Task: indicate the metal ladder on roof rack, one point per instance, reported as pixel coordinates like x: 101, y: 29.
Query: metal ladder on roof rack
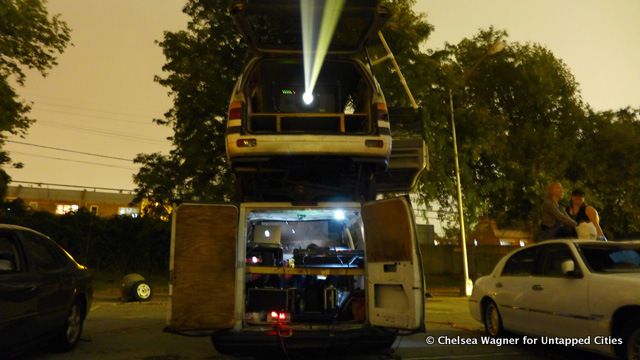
x: 390, y: 56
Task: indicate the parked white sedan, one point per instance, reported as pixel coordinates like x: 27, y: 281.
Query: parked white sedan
x: 567, y: 292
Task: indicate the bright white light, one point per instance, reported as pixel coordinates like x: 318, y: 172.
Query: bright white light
x: 254, y: 259
x: 338, y: 215
x: 307, y: 98
x: 522, y: 244
x: 321, y: 277
x: 293, y: 231
x: 267, y: 233
x: 475, y: 242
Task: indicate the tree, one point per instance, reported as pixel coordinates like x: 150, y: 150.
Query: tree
x: 203, y: 63
x: 518, y: 114
x: 607, y: 168
x: 29, y: 38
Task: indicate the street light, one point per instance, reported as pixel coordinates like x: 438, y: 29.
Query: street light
x: 467, y: 285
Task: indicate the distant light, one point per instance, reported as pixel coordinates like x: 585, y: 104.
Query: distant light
x: 293, y: 231
x: 436, y: 242
x: 267, y: 233
x: 254, y: 259
x: 475, y: 242
x: 288, y: 92
x: 307, y: 98
x: 339, y: 215
x: 321, y: 277
x: 522, y: 244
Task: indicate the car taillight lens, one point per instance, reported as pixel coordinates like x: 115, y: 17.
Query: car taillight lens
x: 279, y: 317
x: 235, y: 111
x: 246, y: 142
x: 374, y: 143
x: 381, y: 112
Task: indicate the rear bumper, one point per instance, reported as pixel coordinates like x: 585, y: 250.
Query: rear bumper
x: 365, y: 339
x: 308, y: 145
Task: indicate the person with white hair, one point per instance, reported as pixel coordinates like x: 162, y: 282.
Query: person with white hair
x: 555, y: 222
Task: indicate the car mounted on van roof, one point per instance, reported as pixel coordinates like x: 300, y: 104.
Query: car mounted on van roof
x: 275, y: 141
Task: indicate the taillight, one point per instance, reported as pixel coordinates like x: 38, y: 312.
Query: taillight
x: 235, y: 111
x: 246, y: 142
x: 374, y: 143
x: 279, y: 317
x: 381, y: 112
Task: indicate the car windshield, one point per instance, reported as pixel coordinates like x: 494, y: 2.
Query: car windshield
x: 611, y: 257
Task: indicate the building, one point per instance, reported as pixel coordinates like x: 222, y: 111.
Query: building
x: 62, y: 201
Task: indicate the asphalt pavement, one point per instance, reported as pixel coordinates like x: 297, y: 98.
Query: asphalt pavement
x: 119, y: 330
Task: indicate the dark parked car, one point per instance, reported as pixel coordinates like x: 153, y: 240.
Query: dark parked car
x: 44, y: 293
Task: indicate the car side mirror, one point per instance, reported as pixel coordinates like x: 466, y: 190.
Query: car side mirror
x: 6, y: 265
x: 569, y: 268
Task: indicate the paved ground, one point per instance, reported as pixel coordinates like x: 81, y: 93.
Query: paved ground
x: 116, y: 330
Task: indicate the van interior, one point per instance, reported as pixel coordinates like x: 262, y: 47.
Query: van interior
x: 275, y: 88
x: 304, y: 266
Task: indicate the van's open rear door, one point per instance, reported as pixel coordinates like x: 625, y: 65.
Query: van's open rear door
x: 202, y: 267
x: 271, y: 27
x: 395, y: 290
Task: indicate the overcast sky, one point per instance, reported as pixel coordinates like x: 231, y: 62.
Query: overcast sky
x: 101, y: 97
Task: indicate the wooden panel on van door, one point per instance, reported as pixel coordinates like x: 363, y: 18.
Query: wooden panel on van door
x: 203, y: 264
x: 387, y: 230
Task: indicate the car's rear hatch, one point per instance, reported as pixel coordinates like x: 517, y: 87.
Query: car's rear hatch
x: 275, y: 26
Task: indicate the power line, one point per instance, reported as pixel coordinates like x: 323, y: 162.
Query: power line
x: 66, y: 102
x: 102, y: 132
x: 67, y: 150
x: 74, y: 107
x: 38, y: 108
x: 71, y: 160
x: 71, y: 186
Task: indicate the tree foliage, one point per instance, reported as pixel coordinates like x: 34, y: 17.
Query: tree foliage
x: 29, y: 39
x: 517, y: 115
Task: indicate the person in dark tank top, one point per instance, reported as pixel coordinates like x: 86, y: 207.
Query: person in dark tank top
x: 585, y: 216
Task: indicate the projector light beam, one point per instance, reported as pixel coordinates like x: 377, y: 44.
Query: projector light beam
x: 319, y: 19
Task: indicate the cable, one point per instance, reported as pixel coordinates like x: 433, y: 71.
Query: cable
x: 92, y: 109
x: 65, y: 102
x: 93, y: 116
x: 71, y: 160
x: 70, y: 186
x: 107, y: 133
x: 70, y: 151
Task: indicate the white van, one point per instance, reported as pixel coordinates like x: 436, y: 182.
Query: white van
x: 263, y: 277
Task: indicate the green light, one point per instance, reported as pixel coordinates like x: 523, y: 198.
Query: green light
x: 288, y: 92
x: 316, y: 35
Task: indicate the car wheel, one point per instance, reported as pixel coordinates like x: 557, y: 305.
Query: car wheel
x: 69, y: 335
x: 141, y: 291
x: 492, y: 319
x: 631, y: 340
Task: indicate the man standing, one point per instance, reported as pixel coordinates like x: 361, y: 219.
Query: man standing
x: 556, y: 223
